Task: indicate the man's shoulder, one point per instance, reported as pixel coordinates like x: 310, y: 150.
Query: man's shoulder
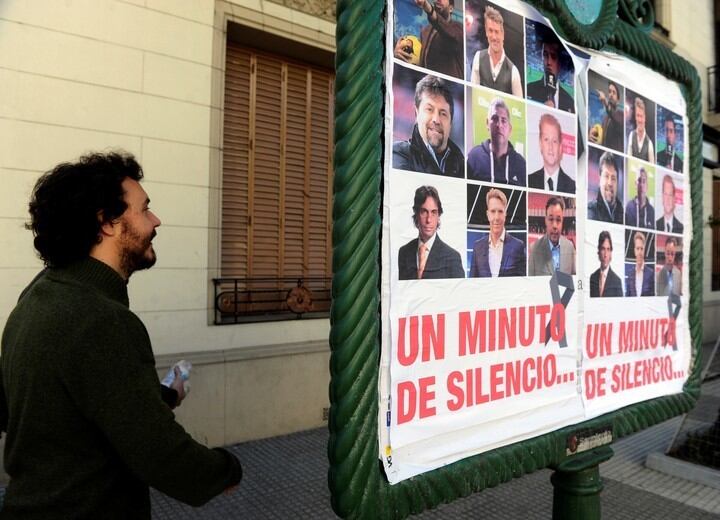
x: 536, y: 88
x: 480, y: 150
x: 513, y: 242
x: 482, y: 53
x: 412, y: 245
x: 403, y: 153
x: 481, y: 244
x: 441, y: 246
x: 565, y: 179
x: 401, y: 147
x: 49, y: 289
x: 514, y: 154
x: 536, y: 179
x: 75, y: 315
x: 566, y: 242
x: 455, y: 149
x: 540, y: 246
x: 566, y: 100
x: 596, y: 210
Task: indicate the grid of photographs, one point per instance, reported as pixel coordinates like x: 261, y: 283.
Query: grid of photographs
x: 484, y: 99
x: 635, y: 192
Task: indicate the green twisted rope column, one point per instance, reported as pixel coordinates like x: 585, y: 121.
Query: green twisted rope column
x: 353, y: 477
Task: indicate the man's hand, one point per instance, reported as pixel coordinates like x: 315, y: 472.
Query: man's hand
x: 400, y: 53
x: 230, y: 490
x: 602, y: 97
x: 426, y: 6
x: 178, y: 385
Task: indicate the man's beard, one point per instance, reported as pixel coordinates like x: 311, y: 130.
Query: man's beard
x: 137, y: 252
x: 438, y: 137
x: 609, y: 196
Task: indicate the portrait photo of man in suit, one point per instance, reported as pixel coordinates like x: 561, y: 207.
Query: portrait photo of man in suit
x: 551, y: 176
x: 498, y: 253
x: 428, y: 257
x: 555, y: 60
x: 639, y: 279
x: 604, y: 283
x: 669, y: 223
x: 669, y: 278
x: 553, y: 252
x: 639, y: 212
x: 607, y: 206
x: 670, y: 156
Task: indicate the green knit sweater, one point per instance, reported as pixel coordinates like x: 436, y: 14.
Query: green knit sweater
x: 87, y: 430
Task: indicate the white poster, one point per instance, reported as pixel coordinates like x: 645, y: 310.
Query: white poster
x: 510, y: 267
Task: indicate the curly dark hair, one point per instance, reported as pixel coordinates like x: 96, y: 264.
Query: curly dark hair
x: 71, y: 202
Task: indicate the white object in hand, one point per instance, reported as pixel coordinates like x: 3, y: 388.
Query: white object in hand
x: 185, y: 367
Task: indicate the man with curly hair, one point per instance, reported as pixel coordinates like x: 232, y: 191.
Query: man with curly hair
x: 88, y: 425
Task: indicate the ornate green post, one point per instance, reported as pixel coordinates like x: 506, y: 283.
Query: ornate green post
x: 354, y: 478
x: 577, y: 486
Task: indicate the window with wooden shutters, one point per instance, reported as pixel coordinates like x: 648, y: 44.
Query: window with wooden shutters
x: 276, y: 189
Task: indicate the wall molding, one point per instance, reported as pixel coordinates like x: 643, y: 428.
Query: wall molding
x: 219, y: 357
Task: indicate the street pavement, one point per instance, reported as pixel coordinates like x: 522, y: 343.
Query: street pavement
x: 286, y: 478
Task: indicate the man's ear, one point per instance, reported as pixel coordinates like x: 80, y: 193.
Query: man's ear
x: 108, y: 228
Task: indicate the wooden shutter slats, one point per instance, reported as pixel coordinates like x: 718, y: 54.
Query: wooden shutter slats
x: 276, y: 147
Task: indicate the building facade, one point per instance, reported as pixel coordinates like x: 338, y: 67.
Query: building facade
x: 227, y: 104
x: 150, y: 77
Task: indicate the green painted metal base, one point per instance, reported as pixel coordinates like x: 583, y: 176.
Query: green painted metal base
x: 577, y: 486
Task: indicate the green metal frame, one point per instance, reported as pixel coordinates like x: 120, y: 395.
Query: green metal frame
x: 356, y: 480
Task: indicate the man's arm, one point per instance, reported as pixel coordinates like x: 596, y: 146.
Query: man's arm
x: 475, y: 69
x: 475, y: 263
x: 446, y: 27
x: 115, y: 386
x: 516, y: 83
x: 456, y: 267
x: 401, y: 156
x: 3, y: 404
x: 518, y: 259
x: 531, y: 260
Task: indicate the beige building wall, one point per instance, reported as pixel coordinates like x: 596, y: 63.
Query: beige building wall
x: 694, y: 39
x: 147, y: 76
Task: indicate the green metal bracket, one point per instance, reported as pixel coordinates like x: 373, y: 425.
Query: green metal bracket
x: 355, y: 477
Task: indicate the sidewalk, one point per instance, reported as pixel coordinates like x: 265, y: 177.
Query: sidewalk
x: 286, y: 477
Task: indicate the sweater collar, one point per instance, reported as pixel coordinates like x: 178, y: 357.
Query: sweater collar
x: 97, y: 275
